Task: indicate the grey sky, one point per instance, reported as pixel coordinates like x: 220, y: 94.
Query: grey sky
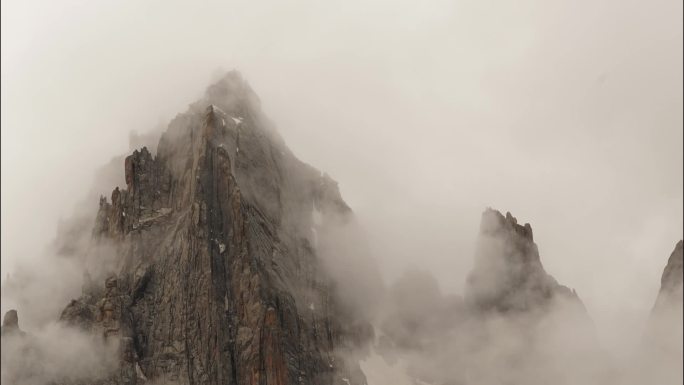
x: 567, y: 114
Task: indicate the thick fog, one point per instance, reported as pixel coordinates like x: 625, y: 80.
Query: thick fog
x: 566, y: 114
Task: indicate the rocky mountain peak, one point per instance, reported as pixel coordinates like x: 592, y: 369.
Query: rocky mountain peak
x: 508, y: 274
x: 216, y: 275
x: 231, y: 95
x: 493, y: 222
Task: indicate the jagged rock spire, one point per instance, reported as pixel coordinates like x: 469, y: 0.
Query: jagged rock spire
x: 508, y: 274
x: 10, y: 323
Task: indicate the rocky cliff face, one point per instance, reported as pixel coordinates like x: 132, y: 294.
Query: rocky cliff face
x: 670, y: 293
x: 216, y: 278
x: 660, y: 356
x: 10, y: 324
x: 664, y: 328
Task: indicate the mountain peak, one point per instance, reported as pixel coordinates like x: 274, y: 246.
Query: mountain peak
x: 232, y: 93
x: 508, y: 274
x: 216, y: 274
x: 494, y: 222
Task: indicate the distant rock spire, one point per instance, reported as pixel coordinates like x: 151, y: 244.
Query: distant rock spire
x: 508, y: 274
x: 10, y: 324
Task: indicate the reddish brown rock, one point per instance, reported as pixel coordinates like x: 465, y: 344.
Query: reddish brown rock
x: 217, y: 280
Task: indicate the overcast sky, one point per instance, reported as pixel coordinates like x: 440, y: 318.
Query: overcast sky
x: 568, y: 114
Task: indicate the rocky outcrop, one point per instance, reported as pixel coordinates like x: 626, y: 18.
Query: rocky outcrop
x: 508, y: 275
x: 10, y: 324
x: 671, y: 286
x: 18, y: 358
x: 660, y: 355
x: 217, y: 278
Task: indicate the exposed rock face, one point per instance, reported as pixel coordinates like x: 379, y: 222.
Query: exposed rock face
x: 508, y: 275
x: 17, y: 352
x: 661, y: 355
x: 10, y: 324
x: 670, y: 293
x: 216, y: 279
